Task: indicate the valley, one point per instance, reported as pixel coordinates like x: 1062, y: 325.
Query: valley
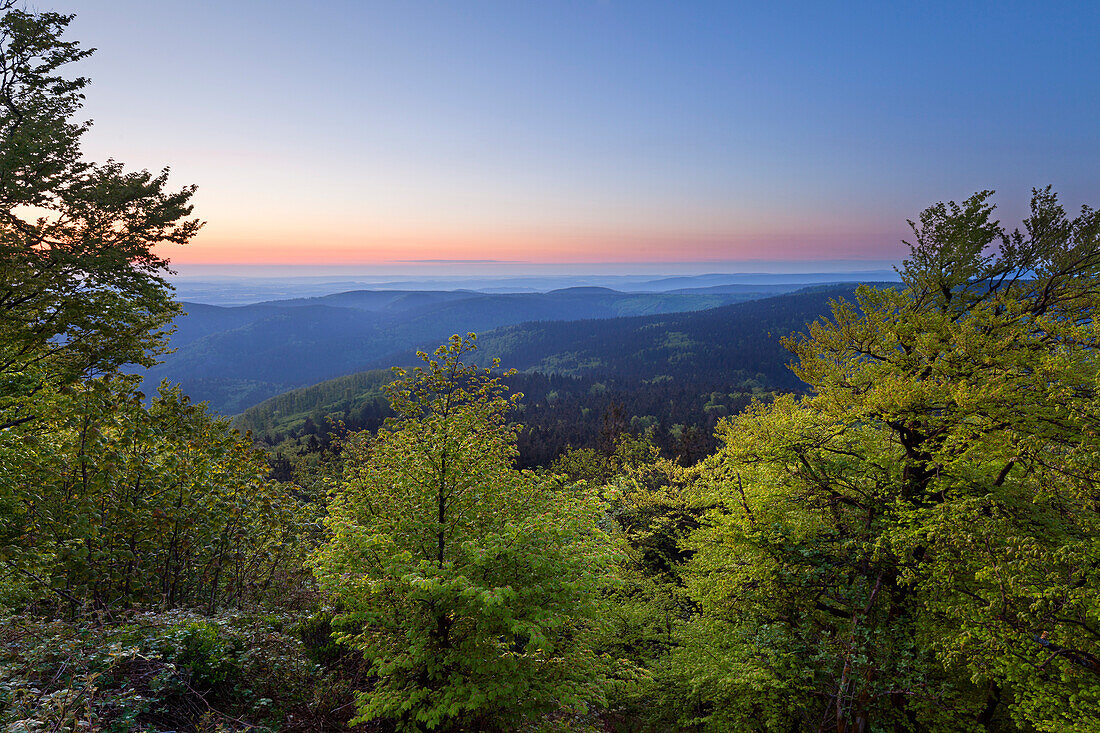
x: 673, y: 375
x: 234, y: 357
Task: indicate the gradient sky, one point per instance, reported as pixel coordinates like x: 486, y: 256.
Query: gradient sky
x: 365, y: 132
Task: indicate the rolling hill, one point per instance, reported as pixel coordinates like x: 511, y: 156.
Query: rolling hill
x: 710, y: 344
x: 237, y: 356
x: 675, y: 373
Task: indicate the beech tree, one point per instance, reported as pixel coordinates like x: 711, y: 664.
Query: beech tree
x: 105, y: 502
x: 468, y: 585
x: 123, y: 505
x: 915, y: 545
x: 81, y: 289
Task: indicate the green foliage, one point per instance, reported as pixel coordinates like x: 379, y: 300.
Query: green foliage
x: 146, y: 671
x: 914, y: 547
x: 106, y: 502
x: 110, y: 507
x: 121, y: 504
x: 80, y: 289
x: 649, y: 508
x: 597, y: 468
x: 468, y: 585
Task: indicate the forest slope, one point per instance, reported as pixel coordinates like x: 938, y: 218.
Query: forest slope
x: 234, y: 357
x: 742, y: 339
x: 675, y: 374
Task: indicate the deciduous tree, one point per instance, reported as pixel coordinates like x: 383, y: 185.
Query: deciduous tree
x: 81, y: 289
x: 468, y: 585
x: 123, y: 505
x: 916, y: 544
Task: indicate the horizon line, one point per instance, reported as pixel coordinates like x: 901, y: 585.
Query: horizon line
x: 536, y: 263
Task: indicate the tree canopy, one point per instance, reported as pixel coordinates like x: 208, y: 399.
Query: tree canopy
x: 468, y: 585
x: 81, y: 289
x: 915, y: 544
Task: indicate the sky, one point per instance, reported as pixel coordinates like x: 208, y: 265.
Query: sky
x: 353, y: 133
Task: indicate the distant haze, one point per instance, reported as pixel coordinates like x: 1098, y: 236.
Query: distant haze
x: 487, y: 268
x: 239, y: 285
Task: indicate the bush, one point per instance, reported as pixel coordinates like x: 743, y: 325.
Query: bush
x: 164, y: 671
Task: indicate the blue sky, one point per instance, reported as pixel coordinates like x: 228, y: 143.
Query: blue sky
x: 367, y: 132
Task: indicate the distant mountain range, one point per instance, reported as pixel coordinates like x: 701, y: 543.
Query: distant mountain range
x: 663, y: 370
x: 244, y: 290
x: 740, y: 340
x: 236, y: 356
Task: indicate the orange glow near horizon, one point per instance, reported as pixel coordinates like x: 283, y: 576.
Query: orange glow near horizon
x: 573, y: 133
x: 537, y: 247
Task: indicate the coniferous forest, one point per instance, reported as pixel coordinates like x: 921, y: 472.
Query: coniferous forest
x: 904, y: 538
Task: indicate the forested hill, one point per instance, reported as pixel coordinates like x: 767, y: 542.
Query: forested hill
x: 235, y: 357
x: 675, y: 374
x: 719, y: 345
